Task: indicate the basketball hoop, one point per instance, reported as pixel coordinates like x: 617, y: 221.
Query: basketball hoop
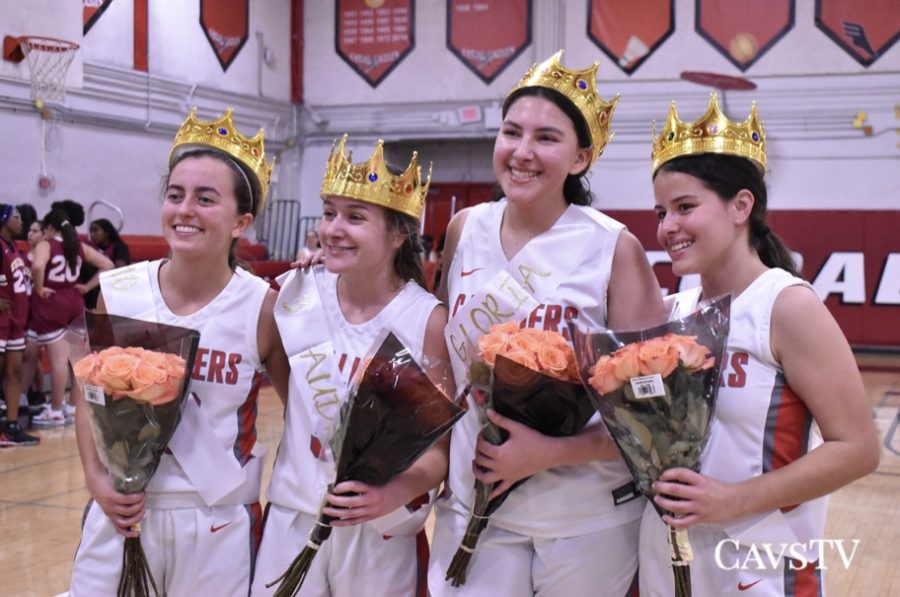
x: 48, y: 61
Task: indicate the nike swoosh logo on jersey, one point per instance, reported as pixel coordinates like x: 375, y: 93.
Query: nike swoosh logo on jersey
x: 216, y: 529
x: 465, y: 273
x: 743, y: 587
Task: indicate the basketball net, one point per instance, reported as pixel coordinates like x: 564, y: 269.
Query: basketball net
x: 48, y: 62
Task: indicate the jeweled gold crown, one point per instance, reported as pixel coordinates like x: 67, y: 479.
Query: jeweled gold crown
x: 711, y: 133
x: 372, y: 182
x: 581, y: 88
x: 223, y: 135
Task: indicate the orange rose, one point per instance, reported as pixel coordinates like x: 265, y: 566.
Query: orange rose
x: 527, y: 340
x: 135, y: 350
x: 693, y: 355
x: 603, y: 378
x: 116, y: 371
x: 626, y: 363
x: 553, y: 360
x: 175, y: 365
x: 85, y: 368
x: 155, y: 359
x: 111, y: 351
x: 657, y: 356
x: 524, y: 358
x: 492, y: 344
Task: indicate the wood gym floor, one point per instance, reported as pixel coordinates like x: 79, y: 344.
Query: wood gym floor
x: 42, y: 497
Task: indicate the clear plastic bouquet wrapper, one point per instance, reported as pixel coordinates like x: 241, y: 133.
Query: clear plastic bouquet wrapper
x: 394, y: 413
x: 656, y: 390
x: 133, y: 375
x: 529, y: 376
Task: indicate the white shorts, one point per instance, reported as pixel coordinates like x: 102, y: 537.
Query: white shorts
x: 191, y: 551
x: 602, y: 563
x: 354, y: 560
x: 717, y: 566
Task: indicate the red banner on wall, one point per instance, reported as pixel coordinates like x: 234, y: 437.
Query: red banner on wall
x: 93, y: 10
x: 374, y: 36
x: 865, y: 29
x: 487, y: 35
x: 226, y: 25
x: 743, y: 32
x: 852, y: 259
x: 629, y: 32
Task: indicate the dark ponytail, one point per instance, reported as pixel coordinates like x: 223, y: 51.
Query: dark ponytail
x: 575, y: 188
x: 726, y: 175
x: 58, y: 219
x: 408, y: 260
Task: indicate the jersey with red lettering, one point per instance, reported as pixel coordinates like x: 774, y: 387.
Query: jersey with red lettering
x: 759, y: 425
x: 227, y: 369
x: 562, y: 501
x: 407, y: 316
x: 49, y: 317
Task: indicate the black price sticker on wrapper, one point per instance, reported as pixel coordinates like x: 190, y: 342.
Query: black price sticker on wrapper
x: 94, y: 394
x: 648, y: 386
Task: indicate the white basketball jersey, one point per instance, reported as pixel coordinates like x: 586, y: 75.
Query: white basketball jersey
x: 759, y: 424
x: 300, y: 476
x: 227, y: 369
x: 567, y: 500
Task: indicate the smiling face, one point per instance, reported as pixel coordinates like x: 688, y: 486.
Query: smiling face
x: 199, y: 213
x: 697, y: 228
x: 535, y: 150
x: 355, y: 237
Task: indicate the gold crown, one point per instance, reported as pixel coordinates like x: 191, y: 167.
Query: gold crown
x: 711, y: 133
x: 580, y: 87
x: 372, y: 182
x: 223, y: 135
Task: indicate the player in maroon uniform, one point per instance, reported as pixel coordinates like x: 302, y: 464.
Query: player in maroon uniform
x: 58, y: 299
x: 15, y: 286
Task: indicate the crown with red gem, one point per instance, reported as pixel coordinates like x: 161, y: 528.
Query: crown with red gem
x: 711, y: 133
x: 372, y: 182
x: 223, y: 135
x: 580, y: 87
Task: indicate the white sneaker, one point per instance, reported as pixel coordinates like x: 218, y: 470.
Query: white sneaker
x: 69, y: 412
x: 49, y: 418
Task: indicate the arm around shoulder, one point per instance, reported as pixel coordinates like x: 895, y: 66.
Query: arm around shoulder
x: 454, y: 231
x: 634, y: 297
x: 271, y: 349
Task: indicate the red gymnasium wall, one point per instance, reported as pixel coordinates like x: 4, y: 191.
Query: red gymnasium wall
x: 852, y: 258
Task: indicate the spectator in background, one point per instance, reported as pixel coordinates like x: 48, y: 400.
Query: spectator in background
x: 105, y: 238
x: 310, y: 245
x: 29, y: 216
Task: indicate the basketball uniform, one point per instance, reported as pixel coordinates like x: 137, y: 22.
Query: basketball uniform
x: 49, y: 317
x: 759, y: 425
x: 15, y: 287
x: 203, y: 518
x: 569, y: 530
x: 355, y: 560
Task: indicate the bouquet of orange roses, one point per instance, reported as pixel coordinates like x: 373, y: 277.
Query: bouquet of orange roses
x: 395, y: 412
x: 133, y: 375
x: 529, y: 376
x: 656, y: 390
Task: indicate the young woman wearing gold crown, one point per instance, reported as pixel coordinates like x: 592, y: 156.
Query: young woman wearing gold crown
x: 792, y: 423
x: 371, y: 282
x: 200, y: 516
x: 542, y: 256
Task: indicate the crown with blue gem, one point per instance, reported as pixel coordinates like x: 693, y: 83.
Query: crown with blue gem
x: 223, y: 135
x: 580, y: 87
x: 711, y: 133
x: 372, y: 182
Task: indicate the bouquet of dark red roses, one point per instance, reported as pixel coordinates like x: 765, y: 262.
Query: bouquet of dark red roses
x: 530, y: 377
x: 394, y: 414
x: 656, y: 390
x: 133, y: 375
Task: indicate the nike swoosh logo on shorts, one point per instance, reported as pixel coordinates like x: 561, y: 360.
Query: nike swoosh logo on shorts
x: 743, y: 587
x: 215, y: 529
x: 465, y: 273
